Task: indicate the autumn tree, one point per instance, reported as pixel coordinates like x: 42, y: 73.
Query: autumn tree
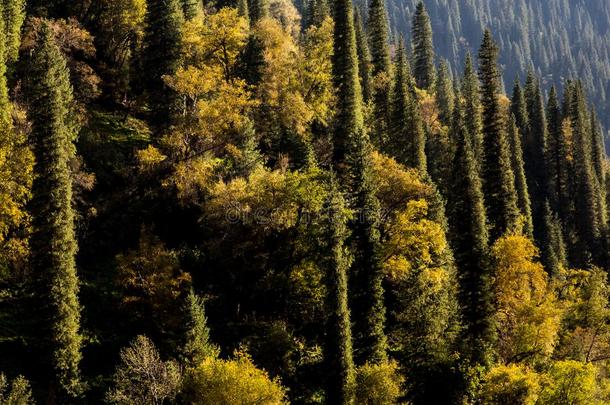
x: 53, y: 240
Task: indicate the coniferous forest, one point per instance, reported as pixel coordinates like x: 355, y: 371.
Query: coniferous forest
x: 263, y: 202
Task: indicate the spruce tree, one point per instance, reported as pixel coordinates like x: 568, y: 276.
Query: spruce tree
x: 53, y: 240
x: 197, y: 346
x: 191, y: 9
x: 498, y: 177
x: 445, y: 96
x: 518, y: 108
x: 258, y: 9
x: 534, y: 150
x: 378, y: 37
x: 13, y: 14
x: 161, y: 57
x: 407, y: 135
x: 364, y: 58
x: 469, y: 239
x: 553, y: 246
x: 352, y: 159
x: 523, y: 196
x: 338, y: 348
x: 587, y: 218
x: 472, y: 109
x: 599, y: 157
x: 381, y: 72
x: 557, y: 162
x: 349, y: 120
x: 243, y: 9
x: 423, y: 49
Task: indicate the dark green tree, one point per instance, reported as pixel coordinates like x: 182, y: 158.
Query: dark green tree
x: 318, y: 11
x: 378, y: 37
x: 472, y: 109
x: 423, y: 50
x: 445, y: 95
x: 497, y: 174
x: 243, y: 9
x: 535, y: 153
x: 469, y: 240
x: 53, y: 241
x: 192, y: 8
x: 553, y: 246
x: 338, y: 348
x: 258, y: 9
x: 197, y: 345
x: 518, y: 107
x: 364, y: 58
x: 523, y: 195
x: 407, y: 135
x: 161, y: 57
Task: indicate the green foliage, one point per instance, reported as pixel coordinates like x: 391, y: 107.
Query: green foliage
x: 161, y: 56
x: 13, y: 14
x: 338, y: 349
x: 142, y: 377
x: 571, y: 382
x: 523, y: 195
x: 378, y: 384
x: 53, y: 240
x: 217, y: 381
x: 423, y: 49
x: 364, y: 57
x: 510, y: 385
x: 197, y: 345
x: 19, y: 393
x: 497, y: 174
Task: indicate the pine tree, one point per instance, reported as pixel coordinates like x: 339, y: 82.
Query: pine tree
x: 497, y: 174
x: 349, y: 120
x: 523, y: 196
x: 407, y: 135
x: 369, y: 305
x: 161, y: 57
x: 13, y: 13
x: 587, y: 220
x: 445, y: 96
x: 191, y: 9
x: 243, y: 9
x: 197, y: 346
x: 473, y: 110
x: 318, y: 11
x: 351, y: 157
x: 53, y: 241
x: 381, y: 73
x: 378, y: 37
x: 534, y: 149
x: 553, y: 246
x: 364, y: 58
x: 599, y: 157
x: 338, y: 350
x: 469, y: 239
x: 423, y: 50
x: 518, y: 108
x: 258, y: 9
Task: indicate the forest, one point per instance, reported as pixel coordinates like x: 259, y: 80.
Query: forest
x: 266, y: 202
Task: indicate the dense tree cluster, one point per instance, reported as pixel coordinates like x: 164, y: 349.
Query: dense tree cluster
x: 265, y: 203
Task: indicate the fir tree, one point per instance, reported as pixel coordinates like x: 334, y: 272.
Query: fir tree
x: 258, y: 9
x: 553, y: 246
x: 349, y: 120
x: 497, y: 174
x: 423, y: 50
x: 378, y: 37
x: 518, y: 108
x: 381, y: 72
x: 191, y: 8
x: 470, y: 238
x: 473, y: 110
x: 197, y: 346
x: 351, y: 157
x: 13, y: 14
x: 534, y: 150
x: 407, y: 135
x: 364, y: 58
x: 523, y: 196
x: 243, y: 9
x: 445, y: 96
x: 53, y: 241
x: 161, y: 57
x: 587, y: 220
x: 318, y: 11
x: 338, y: 350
